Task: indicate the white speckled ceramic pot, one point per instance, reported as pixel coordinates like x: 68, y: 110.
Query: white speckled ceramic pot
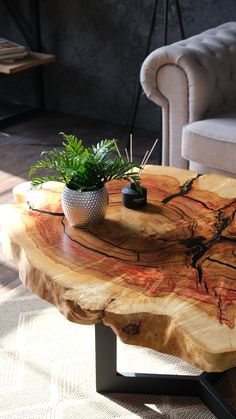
x: 84, y: 209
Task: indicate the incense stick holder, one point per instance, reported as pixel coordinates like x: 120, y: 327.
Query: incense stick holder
x: 131, y: 198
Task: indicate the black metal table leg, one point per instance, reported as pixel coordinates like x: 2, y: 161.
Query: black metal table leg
x: 108, y: 379
x: 214, y: 401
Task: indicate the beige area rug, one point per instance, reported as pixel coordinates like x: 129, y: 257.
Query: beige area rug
x: 47, y: 369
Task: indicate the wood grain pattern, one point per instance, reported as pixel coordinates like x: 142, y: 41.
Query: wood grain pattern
x: 162, y: 277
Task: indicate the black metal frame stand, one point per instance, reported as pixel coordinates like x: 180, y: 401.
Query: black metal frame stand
x: 147, y: 51
x: 108, y: 379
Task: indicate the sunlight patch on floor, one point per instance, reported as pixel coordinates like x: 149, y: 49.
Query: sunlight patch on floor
x: 153, y: 407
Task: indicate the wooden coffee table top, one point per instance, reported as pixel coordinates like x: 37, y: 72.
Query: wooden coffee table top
x: 163, y: 276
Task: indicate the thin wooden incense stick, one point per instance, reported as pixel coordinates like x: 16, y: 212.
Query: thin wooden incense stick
x: 126, y: 153
x: 131, y: 147
x: 144, y: 157
x: 150, y: 152
x: 117, y: 149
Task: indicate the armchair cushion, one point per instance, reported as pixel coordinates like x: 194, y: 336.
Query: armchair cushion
x: 212, y: 142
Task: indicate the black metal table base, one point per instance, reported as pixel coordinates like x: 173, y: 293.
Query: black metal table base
x: 111, y: 381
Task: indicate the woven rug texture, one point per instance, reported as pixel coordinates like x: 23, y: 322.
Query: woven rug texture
x: 47, y: 369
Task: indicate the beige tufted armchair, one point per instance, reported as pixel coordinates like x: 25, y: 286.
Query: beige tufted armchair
x: 194, y: 81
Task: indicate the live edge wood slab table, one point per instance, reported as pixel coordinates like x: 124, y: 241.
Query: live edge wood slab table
x: 162, y: 277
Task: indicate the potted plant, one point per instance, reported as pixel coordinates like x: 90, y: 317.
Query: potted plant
x: 85, y: 172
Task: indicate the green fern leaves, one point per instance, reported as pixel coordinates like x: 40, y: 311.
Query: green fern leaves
x: 84, y: 168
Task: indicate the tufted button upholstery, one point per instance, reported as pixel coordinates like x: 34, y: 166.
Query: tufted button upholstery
x: 208, y: 62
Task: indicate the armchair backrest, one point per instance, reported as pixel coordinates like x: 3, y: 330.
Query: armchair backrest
x: 208, y: 61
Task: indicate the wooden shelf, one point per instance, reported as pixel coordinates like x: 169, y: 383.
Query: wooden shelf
x: 33, y: 59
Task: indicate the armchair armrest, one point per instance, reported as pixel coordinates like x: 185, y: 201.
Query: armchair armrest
x: 191, y: 79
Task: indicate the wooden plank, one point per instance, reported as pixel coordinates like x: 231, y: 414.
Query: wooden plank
x: 33, y: 59
x: 163, y: 277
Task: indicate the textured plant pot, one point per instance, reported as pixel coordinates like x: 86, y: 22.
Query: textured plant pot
x: 84, y: 209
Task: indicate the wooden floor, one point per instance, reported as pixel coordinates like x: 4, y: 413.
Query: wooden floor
x: 22, y: 142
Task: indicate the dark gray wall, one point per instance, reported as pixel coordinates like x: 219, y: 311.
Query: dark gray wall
x: 99, y: 46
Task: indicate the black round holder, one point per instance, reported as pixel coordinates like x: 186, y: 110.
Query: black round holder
x: 131, y: 198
